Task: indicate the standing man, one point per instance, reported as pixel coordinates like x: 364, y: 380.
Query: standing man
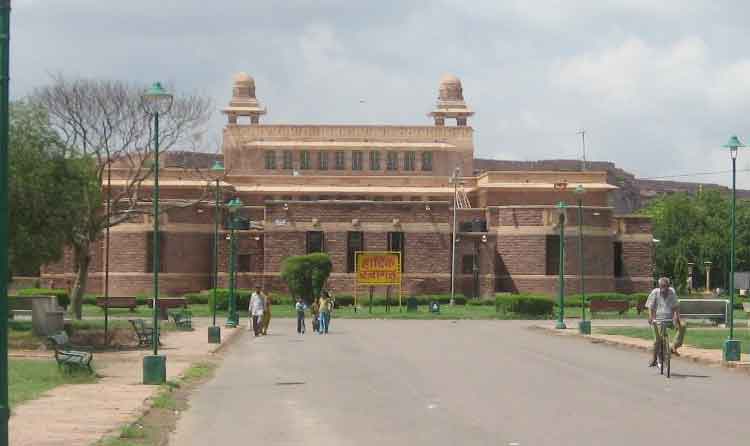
x: 257, y: 306
x: 662, y: 303
x: 300, y: 308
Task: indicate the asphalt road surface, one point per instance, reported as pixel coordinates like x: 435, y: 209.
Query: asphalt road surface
x: 457, y: 383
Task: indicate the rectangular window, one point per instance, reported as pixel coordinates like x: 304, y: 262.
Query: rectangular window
x: 374, y: 160
x: 340, y: 160
x: 314, y: 242
x: 355, y: 242
x: 270, y: 159
x: 396, y: 242
x: 552, y: 264
x: 322, y: 160
x: 243, y: 263
x: 304, y: 160
x: 410, y: 159
x: 356, y: 160
x: 467, y: 264
x: 619, y: 264
x: 288, y: 159
x: 392, y: 161
x: 426, y: 160
x: 150, y: 252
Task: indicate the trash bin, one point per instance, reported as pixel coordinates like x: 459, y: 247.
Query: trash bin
x: 434, y: 307
x: 411, y: 304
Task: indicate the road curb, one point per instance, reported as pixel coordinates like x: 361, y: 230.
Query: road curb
x: 232, y: 335
x: 599, y: 339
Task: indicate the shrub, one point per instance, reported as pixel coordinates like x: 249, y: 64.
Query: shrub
x: 63, y: 298
x: 527, y: 304
x: 480, y: 302
x: 306, y: 275
x: 222, y: 298
x: 196, y: 298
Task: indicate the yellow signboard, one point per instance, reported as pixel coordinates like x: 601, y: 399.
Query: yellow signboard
x: 378, y: 268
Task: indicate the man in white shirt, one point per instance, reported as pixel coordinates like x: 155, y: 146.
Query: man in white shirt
x: 662, y: 303
x: 257, y: 306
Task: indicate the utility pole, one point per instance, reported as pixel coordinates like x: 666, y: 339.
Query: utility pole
x: 582, y: 132
x: 454, y: 179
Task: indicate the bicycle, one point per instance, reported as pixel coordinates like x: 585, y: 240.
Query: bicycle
x: 663, y: 352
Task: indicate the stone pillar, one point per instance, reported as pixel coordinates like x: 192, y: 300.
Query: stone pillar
x: 232, y: 118
x: 461, y: 121
x: 439, y: 121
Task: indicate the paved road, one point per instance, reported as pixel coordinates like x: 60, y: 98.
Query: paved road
x: 457, y: 383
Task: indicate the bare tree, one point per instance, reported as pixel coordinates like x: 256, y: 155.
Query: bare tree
x: 105, y: 121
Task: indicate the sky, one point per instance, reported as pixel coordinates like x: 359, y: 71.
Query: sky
x: 658, y: 85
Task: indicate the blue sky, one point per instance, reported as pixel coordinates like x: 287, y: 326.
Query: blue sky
x: 658, y: 85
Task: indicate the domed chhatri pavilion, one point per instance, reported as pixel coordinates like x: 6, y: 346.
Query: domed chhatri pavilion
x: 347, y: 188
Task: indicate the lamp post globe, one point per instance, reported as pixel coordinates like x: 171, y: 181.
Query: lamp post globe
x: 584, y: 326
x: 731, y: 348
x: 214, y: 331
x: 234, y: 206
x: 156, y: 101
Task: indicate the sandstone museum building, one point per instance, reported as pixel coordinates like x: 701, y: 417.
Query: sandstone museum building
x: 347, y: 188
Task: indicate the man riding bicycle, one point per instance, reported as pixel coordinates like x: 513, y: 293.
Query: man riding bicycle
x: 662, y: 304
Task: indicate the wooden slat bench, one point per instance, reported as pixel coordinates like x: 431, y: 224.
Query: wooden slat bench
x: 183, y: 319
x: 601, y: 306
x: 117, y: 302
x: 715, y: 310
x: 166, y: 303
x: 143, y: 332
x: 66, y: 356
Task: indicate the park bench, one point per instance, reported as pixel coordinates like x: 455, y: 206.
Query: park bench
x: 67, y: 356
x: 183, y: 319
x: 601, y: 306
x: 144, y: 332
x: 166, y: 303
x: 715, y: 310
x: 117, y: 302
x: 19, y: 306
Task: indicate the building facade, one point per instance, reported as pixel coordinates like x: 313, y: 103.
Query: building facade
x: 347, y: 188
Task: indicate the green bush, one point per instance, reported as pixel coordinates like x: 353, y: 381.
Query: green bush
x: 63, y: 298
x: 196, y: 298
x: 222, y: 298
x: 480, y: 302
x: 526, y: 304
x: 306, y: 275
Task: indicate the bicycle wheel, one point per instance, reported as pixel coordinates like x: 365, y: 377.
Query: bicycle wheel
x: 667, y: 356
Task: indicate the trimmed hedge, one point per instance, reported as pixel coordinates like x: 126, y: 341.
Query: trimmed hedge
x: 526, y: 304
x: 63, y: 298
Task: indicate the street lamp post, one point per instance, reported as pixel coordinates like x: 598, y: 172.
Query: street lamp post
x: 707, y: 264
x: 561, y: 206
x: 731, y: 345
x: 454, y: 180
x: 584, y: 327
x: 4, y: 62
x: 156, y: 101
x: 214, y: 331
x: 233, y: 319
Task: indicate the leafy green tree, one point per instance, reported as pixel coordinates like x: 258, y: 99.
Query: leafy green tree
x: 104, y: 121
x: 680, y: 275
x: 45, y: 189
x: 306, y: 275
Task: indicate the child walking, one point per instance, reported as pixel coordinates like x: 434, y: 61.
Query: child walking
x: 300, y: 307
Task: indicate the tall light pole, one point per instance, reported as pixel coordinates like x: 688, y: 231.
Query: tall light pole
x: 454, y: 180
x: 732, y: 346
x: 561, y: 206
x: 584, y: 327
x: 233, y: 318
x: 707, y: 264
x: 4, y: 62
x: 214, y: 331
x: 156, y: 101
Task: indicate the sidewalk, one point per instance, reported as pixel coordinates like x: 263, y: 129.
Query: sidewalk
x: 711, y: 357
x: 83, y: 413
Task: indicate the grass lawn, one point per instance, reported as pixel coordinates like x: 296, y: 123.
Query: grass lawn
x: 29, y: 378
x: 710, y: 338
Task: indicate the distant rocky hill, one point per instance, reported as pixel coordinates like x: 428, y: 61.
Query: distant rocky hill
x: 632, y: 193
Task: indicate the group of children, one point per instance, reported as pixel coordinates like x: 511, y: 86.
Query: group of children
x: 321, y: 314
